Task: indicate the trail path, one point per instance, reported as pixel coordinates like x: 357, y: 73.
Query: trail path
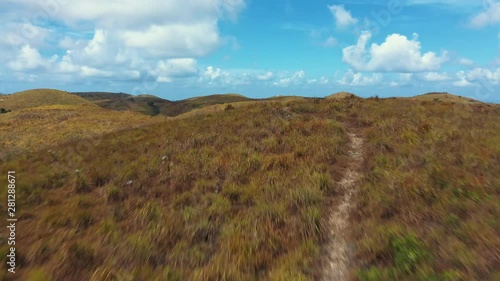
x: 336, y: 267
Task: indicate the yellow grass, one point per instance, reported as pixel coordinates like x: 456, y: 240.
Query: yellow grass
x: 40, y: 97
x: 444, y: 97
x: 339, y: 95
x: 32, y: 129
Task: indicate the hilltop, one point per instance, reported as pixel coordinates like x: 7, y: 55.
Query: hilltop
x: 44, y: 117
x: 272, y: 189
x: 40, y: 97
x: 340, y: 95
x: 152, y: 105
x: 444, y: 97
x: 145, y: 104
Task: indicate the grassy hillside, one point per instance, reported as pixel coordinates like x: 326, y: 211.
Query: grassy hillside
x: 151, y: 105
x: 428, y: 204
x: 39, y: 97
x: 242, y: 191
x: 145, y: 104
x: 32, y: 129
x: 443, y: 97
x: 339, y: 95
x: 235, y: 195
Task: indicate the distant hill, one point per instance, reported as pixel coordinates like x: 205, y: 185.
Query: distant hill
x: 340, y: 95
x: 146, y: 104
x: 33, y: 129
x: 443, y: 96
x: 152, y: 105
x: 40, y: 97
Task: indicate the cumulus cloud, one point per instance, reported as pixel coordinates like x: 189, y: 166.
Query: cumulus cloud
x: 297, y: 78
x: 483, y: 74
x: 265, y: 76
x: 489, y: 16
x: 434, y: 76
x: 404, y: 79
x: 342, y: 17
x: 28, y: 58
x: 168, y: 28
x: 461, y: 82
x: 321, y: 81
x: 93, y: 72
x: 17, y: 34
x: 352, y: 78
x: 196, y: 39
x: 213, y: 76
x: 128, y: 39
x: 176, y: 68
x: 396, y: 54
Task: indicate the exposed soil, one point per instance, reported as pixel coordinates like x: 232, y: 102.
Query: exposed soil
x: 336, y: 267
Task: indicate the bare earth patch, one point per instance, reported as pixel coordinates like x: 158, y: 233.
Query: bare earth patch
x: 337, y: 265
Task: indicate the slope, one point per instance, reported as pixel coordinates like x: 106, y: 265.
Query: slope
x: 39, y: 97
x: 444, y: 97
x: 235, y: 195
x: 151, y: 105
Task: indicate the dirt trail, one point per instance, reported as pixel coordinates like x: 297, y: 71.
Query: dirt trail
x: 336, y: 267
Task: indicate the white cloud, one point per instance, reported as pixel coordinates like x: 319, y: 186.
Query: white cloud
x: 28, y: 58
x: 265, y: 76
x: 175, y: 68
x: 129, y: 37
x: 461, y: 82
x: 342, y: 17
x: 19, y: 34
x: 321, y: 81
x: 214, y: 73
x: 396, y: 54
x: 93, y: 72
x: 296, y: 79
x: 197, y: 39
x: 404, y: 79
x: 490, y: 16
x: 167, y: 28
x: 466, y: 61
x: 483, y: 74
x: 352, y: 78
x: 434, y: 76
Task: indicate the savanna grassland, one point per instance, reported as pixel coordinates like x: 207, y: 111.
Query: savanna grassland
x: 235, y: 195
x: 243, y: 192
x: 31, y: 129
x: 429, y: 201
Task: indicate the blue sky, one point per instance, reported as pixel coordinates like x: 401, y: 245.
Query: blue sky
x: 182, y: 48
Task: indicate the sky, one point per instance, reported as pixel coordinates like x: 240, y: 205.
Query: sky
x: 177, y: 49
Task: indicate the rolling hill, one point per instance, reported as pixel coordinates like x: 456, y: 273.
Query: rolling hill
x: 256, y: 190
x: 339, y: 95
x: 151, y: 105
x: 444, y: 97
x: 39, y: 97
x: 44, y: 117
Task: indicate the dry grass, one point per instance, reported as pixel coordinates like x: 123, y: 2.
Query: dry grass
x: 339, y: 95
x: 241, y: 192
x: 444, y: 97
x: 428, y: 205
x: 232, y: 195
x: 32, y: 129
x: 40, y: 97
x: 151, y: 105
